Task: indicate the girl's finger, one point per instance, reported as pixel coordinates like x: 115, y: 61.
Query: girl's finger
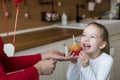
x: 81, y: 58
x: 85, y: 55
x: 84, y: 58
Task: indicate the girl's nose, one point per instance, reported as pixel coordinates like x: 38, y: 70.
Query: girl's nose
x: 86, y: 38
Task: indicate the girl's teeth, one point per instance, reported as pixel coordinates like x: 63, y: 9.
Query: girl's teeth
x: 86, y: 46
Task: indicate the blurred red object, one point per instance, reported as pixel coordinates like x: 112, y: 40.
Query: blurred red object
x: 18, y: 1
x: 75, y: 53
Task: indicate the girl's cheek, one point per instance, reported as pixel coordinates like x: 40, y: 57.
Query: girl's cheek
x: 81, y: 42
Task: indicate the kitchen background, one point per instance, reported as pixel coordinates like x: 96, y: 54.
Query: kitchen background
x: 34, y: 8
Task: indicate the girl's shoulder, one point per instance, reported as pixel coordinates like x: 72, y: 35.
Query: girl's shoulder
x: 106, y: 57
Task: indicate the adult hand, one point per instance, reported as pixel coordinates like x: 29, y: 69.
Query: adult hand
x: 56, y: 55
x: 45, y: 67
x: 84, y: 59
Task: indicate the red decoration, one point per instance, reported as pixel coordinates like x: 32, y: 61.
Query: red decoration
x: 17, y: 1
x: 76, y: 53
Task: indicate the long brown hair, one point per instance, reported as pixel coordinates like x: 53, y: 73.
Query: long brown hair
x: 104, y: 35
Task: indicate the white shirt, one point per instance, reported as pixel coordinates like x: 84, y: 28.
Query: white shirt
x: 98, y: 69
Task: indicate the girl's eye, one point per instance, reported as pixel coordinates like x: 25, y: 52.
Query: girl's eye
x: 83, y: 35
x: 93, y: 37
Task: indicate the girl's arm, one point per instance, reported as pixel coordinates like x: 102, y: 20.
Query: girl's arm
x: 103, y: 70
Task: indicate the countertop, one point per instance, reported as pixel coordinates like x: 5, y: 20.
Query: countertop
x: 113, y: 26
x: 42, y: 37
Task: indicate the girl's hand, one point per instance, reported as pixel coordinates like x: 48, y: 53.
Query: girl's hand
x: 84, y: 59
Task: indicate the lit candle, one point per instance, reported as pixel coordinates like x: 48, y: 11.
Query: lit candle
x: 73, y: 39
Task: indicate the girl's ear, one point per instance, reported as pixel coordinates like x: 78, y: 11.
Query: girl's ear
x: 103, y: 44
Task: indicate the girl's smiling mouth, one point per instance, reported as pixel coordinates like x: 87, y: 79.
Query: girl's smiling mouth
x: 86, y: 46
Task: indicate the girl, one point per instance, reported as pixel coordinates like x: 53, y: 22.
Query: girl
x: 93, y: 63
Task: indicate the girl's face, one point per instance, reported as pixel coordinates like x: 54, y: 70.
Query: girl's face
x: 91, y: 41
